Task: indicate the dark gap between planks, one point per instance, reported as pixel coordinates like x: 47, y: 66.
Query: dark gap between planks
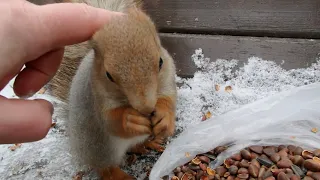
x: 248, y: 33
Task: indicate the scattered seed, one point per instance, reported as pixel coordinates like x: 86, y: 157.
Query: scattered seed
x: 78, y: 176
x: 233, y: 170
x: 283, y: 152
x: 196, y: 161
x: 270, y: 178
x: 291, y: 148
x: 308, y: 178
x: 42, y: 91
x: 203, y: 167
x: 177, y: 170
x: 228, y: 162
x: 297, y: 170
x: 53, y: 124
x: 295, y: 177
x: 245, y: 154
x: 297, y: 160
x: 254, y: 163
x: 15, y: 146
x: 317, y: 153
x: 243, y: 176
x: 307, y: 154
x: 275, y: 157
x: 269, y: 151
x: 284, y: 163
x: 186, y: 176
x: 256, y: 149
x: 244, y: 163
x: 211, y: 171
x: 298, y: 151
x: 315, y: 175
x: 228, y: 89
x: 312, y: 165
x: 227, y: 174
x: 221, y: 170
x: 208, y: 115
x: 275, y: 171
x: 316, y: 159
x: 219, y: 149
x: 254, y: 155
x: 268, y: 173
x: 243, y: 171
x: 194, y: 167
x: 282, y: 176
x: 261, y: 172
x: 187, y: 154
x: 253, y: 170
x: 236, y: 157
x: 314, y: 130
x: 212, y: 157
x: 165, y: 177
x: 180, y: 174
x: 265, y: 162
x: 217, y: 87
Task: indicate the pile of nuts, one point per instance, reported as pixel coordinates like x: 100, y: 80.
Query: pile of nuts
x: 254, y: 163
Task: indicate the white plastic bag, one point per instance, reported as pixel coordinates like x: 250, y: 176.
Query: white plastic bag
x: 285, y: 118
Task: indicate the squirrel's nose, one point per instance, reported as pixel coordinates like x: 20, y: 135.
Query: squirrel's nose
x: 148, y: 112
x: 153, y: 113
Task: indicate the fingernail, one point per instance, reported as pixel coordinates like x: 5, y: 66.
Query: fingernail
x: 50, y: 104
x: 26, y: 96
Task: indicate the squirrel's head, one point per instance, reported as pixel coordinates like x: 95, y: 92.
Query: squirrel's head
x: 128, y: 55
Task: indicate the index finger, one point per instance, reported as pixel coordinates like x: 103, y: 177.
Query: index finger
x: 61, y: 24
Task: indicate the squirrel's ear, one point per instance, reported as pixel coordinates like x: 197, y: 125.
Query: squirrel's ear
x: 94, y: 45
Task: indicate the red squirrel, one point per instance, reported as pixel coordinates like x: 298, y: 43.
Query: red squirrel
x: 119, y: 89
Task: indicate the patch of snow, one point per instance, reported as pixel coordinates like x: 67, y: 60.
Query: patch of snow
x: 50, y: 159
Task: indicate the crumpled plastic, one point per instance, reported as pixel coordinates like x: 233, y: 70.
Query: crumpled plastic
x: 285, y: 118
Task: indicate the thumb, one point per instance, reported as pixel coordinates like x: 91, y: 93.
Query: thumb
x: 24, y: 120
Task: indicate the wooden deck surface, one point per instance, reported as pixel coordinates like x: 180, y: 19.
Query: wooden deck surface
x: 280, y: 30
x: 280, y: 18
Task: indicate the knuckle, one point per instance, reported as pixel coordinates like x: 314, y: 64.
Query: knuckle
x: 85, y: 8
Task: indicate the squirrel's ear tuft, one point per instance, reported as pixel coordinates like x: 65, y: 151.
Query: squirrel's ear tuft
x: 94, y: 46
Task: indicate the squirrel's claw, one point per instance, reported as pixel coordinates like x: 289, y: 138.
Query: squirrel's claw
x: 113, y: 173
x: 163, y: 121
x: 139, y: 149
x: 155, y: 145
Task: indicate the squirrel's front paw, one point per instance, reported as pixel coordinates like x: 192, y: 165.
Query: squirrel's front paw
x: 163, y: 121
x: 136, y: 124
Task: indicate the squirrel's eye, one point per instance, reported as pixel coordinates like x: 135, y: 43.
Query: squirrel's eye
x: 160, y: 63
x: 109, y: 76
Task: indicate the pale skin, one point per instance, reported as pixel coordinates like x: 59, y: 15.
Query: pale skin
x: 35, y: 36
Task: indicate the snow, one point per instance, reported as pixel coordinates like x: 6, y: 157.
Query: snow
x: 258, y: 78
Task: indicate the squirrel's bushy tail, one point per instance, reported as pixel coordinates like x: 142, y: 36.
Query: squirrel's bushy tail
x: 59, y: 86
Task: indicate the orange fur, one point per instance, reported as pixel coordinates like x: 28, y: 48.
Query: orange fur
x: 164, y: 119
x: 127, y: 122
x: 164, y: 125
x: 114, y: 173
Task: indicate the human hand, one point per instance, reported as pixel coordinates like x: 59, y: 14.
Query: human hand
x: 35, y: 36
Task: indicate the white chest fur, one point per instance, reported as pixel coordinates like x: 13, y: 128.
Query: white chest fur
x: 122, y: 144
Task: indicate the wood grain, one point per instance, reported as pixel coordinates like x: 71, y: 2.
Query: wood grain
x: 276, y: 18
x: 295, y: 53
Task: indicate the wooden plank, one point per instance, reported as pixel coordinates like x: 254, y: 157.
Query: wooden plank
x: 296, y: 53
x: 285, y: 18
